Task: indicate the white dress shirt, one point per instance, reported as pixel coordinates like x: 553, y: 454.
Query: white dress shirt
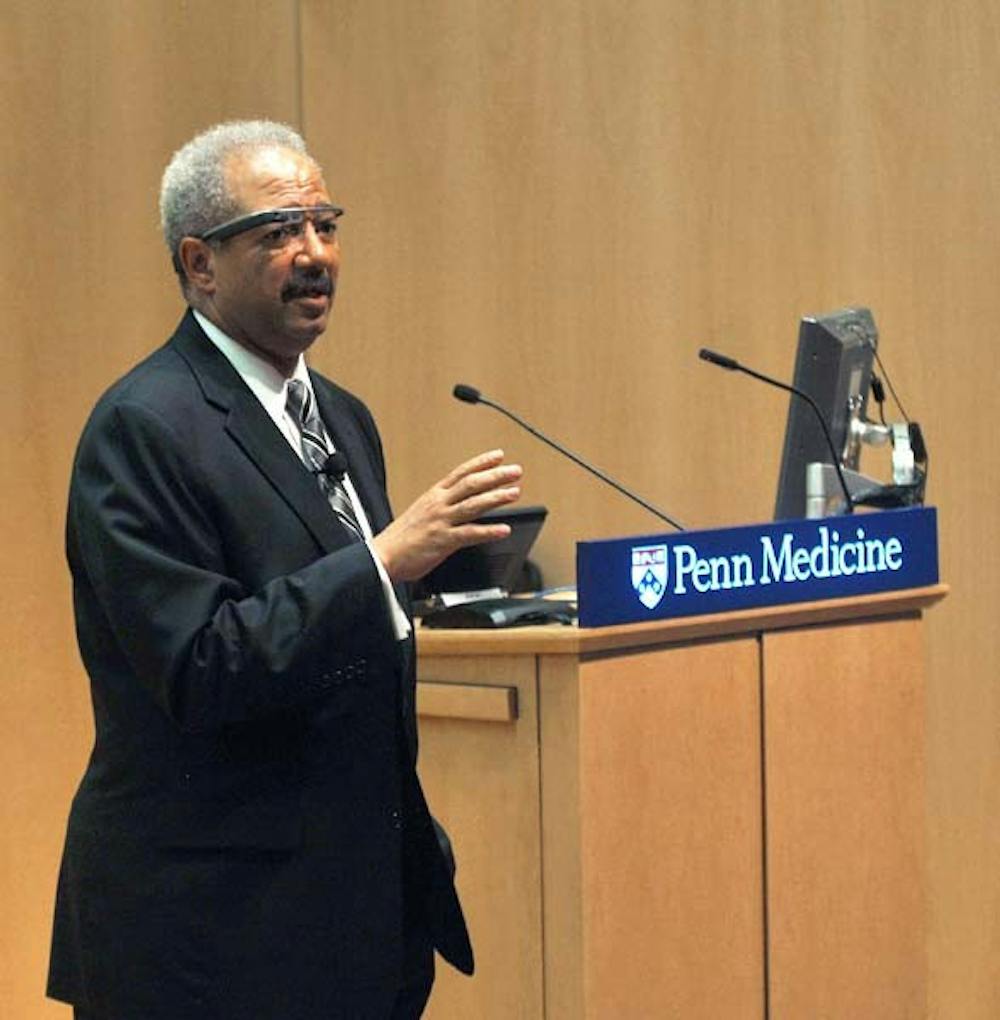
x: 270, y: 387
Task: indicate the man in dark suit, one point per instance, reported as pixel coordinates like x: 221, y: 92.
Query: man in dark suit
x: 250, y: 839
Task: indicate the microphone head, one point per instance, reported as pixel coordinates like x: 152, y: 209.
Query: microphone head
x: 718, y: 359
x: 334, y: 466
x: 468, y: 394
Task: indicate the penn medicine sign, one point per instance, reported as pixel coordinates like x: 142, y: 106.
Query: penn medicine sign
x: 718, y: 570
x: 679, y: 569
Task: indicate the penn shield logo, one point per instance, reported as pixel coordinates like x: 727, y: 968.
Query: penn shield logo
x: 649, y: 573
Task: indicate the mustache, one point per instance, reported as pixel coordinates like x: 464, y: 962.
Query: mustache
x: 307, y: 286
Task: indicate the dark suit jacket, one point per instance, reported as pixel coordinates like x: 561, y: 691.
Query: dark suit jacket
x: 251, y: 813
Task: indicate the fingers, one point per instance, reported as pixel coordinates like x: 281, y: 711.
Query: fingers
x: 481, y: 484
x: 441, y: 520
x: 474, y: 488
x: 482, y: 462
x: 480, y: 501
x: 476, y: 534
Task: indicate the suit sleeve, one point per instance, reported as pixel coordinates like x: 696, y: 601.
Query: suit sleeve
x: 150, y: 568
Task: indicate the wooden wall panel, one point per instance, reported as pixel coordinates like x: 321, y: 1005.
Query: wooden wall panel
x: 96, y: 94
x: 561, y: 202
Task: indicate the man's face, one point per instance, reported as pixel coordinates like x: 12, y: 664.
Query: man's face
x: 272, y: 289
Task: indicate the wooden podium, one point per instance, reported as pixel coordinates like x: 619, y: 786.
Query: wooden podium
x: 716, y: 817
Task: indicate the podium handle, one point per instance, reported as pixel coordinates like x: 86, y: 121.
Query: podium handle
x: 474, y: 702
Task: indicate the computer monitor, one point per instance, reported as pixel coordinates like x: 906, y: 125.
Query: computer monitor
x: 834, y: 366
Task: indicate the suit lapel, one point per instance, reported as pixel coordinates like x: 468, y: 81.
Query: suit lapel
x: 250, y: 426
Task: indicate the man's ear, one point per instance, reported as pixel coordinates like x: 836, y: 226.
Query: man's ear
x: 197, y: 259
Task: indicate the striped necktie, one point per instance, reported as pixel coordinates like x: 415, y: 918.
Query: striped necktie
x: 315, y: 450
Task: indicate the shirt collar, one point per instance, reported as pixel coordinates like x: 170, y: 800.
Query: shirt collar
x: 268, y: 385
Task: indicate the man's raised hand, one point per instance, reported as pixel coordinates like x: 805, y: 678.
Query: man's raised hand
x: 440, y: 521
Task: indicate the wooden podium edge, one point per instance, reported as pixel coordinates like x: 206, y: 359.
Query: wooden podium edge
x: 556, y: 639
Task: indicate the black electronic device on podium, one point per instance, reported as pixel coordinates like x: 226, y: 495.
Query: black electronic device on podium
x: 477, y: 586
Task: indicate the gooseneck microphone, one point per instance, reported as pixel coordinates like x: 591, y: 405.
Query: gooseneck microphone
x: 732, y: 365
x: 470, y: 395
x: 335, y: 466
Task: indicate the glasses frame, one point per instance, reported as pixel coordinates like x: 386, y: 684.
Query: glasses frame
x: 290, y: 214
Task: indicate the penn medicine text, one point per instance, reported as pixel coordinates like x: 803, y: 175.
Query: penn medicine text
x: 787, y: 562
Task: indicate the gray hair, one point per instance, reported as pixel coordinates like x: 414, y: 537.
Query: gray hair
x: 194, y: 196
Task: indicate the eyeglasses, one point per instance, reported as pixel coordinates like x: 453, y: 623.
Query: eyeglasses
x: 289, y: 224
